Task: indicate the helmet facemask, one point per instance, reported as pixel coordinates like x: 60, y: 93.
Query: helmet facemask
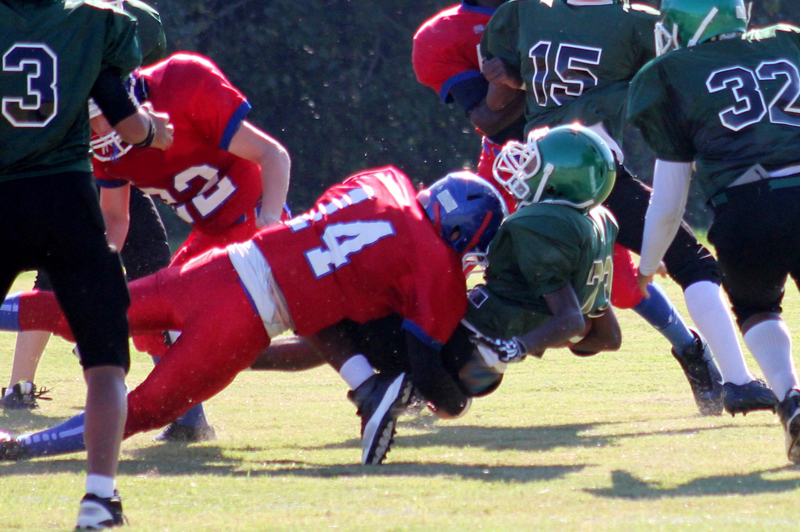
x: 519, y: 162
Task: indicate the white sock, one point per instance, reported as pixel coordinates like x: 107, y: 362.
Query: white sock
x: 356, y: 370
x: 771, y: 344
x: 713, y: 319
x: 100, y: 485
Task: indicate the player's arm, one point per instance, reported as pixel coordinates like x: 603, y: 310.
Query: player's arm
x: 432, y: 380
x: 603, y: 334
x: 288, y: 353
x: 252, y: 144
x: 115, y: 205
x: 664, y: 215
x: 565, y: 327
x: 137, y: 125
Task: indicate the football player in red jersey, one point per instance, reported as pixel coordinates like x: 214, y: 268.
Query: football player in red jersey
x: 446, y: 58
x: 223, y: 175
x: 368, y: 249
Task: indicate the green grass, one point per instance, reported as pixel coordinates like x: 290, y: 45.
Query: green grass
x: 612, y: 442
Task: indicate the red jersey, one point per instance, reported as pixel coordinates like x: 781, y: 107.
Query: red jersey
x: 207, y: 186
x: 365, y: 251
x: 446, y: 47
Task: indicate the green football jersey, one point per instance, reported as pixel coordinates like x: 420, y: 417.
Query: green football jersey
x: 53, y: 52
x: 727, y: 105
x: 152, y: 40
x: 540, y: 249
x: 576, y: 61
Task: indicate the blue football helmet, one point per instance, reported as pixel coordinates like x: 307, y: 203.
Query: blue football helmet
x: 467, y: 211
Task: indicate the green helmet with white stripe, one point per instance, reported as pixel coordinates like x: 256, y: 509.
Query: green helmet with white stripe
x: 568, y: 165
x: 685, y: 23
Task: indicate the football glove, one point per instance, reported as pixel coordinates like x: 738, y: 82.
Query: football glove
x: 511, y: 350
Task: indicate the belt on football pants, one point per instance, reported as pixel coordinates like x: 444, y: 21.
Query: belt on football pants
x: 755, y: 189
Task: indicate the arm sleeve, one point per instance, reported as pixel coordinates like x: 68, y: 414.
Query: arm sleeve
x: 664, y: 215
x: 469, y: 93
x: 432, y: 379
x: 110, y: 95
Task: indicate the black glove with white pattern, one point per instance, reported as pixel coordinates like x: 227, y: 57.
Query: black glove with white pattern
x: 511, y: 350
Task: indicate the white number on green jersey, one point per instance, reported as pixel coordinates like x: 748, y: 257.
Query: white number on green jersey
x: 39, y: 105
x: 751, y: 107
x: 572, y: 66
x: 600, y: 276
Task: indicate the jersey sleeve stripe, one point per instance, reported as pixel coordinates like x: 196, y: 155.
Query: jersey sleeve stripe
x: 110, y: 183
x: 233, y: 125
x: 444, y: 92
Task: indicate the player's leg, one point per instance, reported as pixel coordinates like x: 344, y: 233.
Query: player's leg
x: 222, y: 336
x: 693, y: 267
x: 757, y: 249
x: 146, y: 251
x: 688, y: 348
x: 89, y: 284
x: 28, y: 349
x: 193, y: 370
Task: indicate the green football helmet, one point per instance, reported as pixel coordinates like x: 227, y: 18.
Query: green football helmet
x: 568, y: 165
x: 686, y: 23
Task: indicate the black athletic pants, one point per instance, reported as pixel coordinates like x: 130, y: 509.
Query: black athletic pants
x: 146, y: 249
x: 756, y: 233
x: 53, y: 223
x: 686, y: 259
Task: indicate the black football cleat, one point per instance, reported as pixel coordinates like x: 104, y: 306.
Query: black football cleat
x: 97, y: 513
x: 703, y: 375
x: 755, y: 395
x: 23, y: 396
x: 789, y: 411
x: 175, y: 432
x: 380, y: 401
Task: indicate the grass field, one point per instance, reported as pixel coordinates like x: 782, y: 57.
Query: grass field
x: 612, y: 442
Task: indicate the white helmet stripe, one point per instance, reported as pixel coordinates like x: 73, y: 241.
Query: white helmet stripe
x: 546, y: 173
x: 703, y: 25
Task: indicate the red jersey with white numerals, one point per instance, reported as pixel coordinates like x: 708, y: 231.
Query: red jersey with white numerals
x: 207, y: 186
x: 366, y: 250
x: 446, y: 47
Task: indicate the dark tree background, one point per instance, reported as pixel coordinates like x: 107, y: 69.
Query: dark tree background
x: 332, y: 80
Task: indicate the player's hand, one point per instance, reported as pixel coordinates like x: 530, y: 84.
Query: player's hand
x: 496, y: 72
x: 264, y: 219
x: 164, y: 130
x: 644, y: 280
x: 510, y: 350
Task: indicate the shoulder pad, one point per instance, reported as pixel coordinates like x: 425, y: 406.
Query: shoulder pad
x: 643, y: 8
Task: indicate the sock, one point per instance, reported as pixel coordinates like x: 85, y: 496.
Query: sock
x: 771, y: 344
x: 9, y: 313
x: 713, y: 319
x: 100, y: 485
x: 356, y: 371
x: 195, y: 416
x: 657, y: 310
x: 61, y: 439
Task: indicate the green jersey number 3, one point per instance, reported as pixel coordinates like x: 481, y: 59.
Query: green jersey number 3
x: 39, y: 105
